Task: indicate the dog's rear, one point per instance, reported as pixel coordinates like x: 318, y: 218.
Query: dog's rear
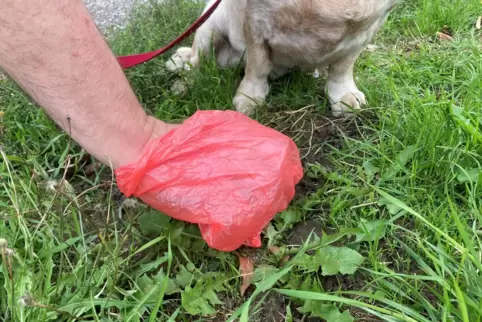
x: 279, y: 35
x: 307, y: 33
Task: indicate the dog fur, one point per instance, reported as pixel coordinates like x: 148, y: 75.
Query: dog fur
x: 275, y: 36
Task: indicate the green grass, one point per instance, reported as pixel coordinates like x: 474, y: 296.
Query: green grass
x: 386, y: 224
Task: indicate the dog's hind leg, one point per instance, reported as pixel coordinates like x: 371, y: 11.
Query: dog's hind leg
x: 227, y: 56
x: 342, y: 90
x: 206, y: 36
x: 180, y: 60
x: 186, y: 57
x: 254, y: 87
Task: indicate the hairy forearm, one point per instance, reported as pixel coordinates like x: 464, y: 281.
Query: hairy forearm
x: 53, y: 50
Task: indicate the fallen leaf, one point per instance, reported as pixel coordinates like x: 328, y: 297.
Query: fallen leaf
x: 246, y: 268
x: 444, y: 36
x: 93, y: 167
x: 478, y: 23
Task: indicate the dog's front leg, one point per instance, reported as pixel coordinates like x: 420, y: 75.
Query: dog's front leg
x: 254, y: 87
x: 342, y: 90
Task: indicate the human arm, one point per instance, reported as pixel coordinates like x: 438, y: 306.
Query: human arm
x: 53, y: 50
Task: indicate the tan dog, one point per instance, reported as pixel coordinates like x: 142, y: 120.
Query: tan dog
x: 277, y: 35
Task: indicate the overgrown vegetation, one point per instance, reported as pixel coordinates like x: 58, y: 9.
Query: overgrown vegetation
x: 386, y: 225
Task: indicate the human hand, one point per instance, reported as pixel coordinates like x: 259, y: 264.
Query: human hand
x: 221, y: 170
x: 127, y: 152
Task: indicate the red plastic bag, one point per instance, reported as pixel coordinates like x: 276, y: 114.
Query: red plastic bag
x: 221, y: 170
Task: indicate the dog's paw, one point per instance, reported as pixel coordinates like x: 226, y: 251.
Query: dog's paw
x: 245, y: 105
x: 250, y: 95
x: 180, y: 60
x: 348, y: 104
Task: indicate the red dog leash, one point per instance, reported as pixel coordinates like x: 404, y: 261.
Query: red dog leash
x: 137, y: 59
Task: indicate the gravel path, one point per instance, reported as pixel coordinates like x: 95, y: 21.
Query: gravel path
x: 109, y: 14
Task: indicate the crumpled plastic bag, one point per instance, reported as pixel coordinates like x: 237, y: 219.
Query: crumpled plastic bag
x: 221, y: 170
